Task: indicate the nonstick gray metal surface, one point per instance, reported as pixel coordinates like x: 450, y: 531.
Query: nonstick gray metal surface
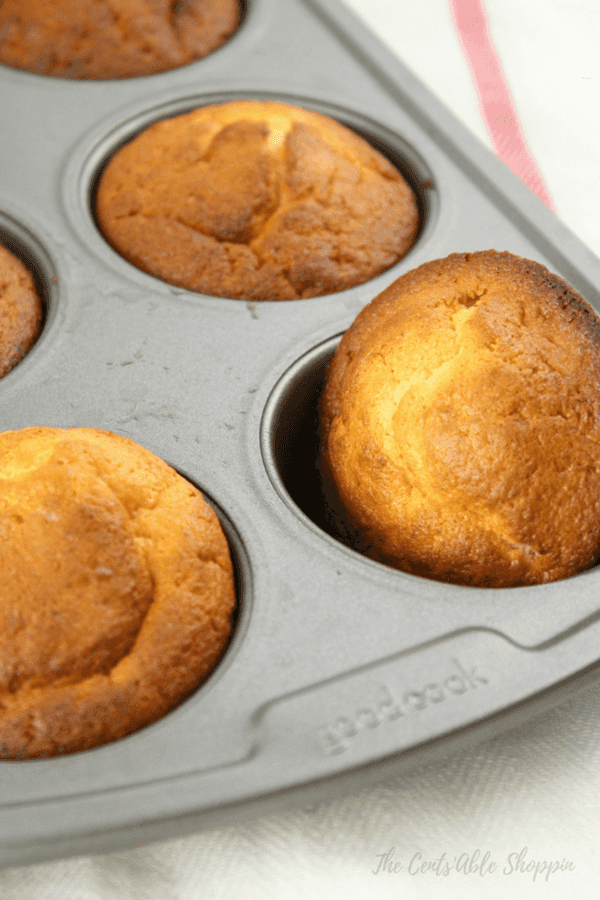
x: 340, y: 670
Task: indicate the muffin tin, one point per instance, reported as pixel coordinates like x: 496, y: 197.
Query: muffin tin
x: 340, y: 670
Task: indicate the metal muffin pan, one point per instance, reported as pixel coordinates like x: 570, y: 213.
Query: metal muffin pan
x: 340, y: 670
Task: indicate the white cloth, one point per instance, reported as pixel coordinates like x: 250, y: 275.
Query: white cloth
x: 533, y: 791
x: 550, y: 58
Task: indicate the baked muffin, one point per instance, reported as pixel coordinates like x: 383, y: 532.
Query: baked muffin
x: 461, y: 424
x: 20, y: 311
x: 117, y: 590
x: 102, y: 39
x: 256, y: 200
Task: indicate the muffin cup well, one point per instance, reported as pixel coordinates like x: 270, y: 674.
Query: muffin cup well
x: 291, y: 442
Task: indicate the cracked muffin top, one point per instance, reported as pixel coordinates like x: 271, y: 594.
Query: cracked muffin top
x: 20, y: 311
x: 461, y: 424
x: 103, y: 39
x: 256, y: 200
x: 117, y: 590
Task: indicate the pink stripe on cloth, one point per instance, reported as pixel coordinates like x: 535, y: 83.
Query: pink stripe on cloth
x: 495, y: 98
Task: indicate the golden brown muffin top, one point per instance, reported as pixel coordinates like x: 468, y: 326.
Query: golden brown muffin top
x: 117, y: 589
x: 256, y: 200
x: 461, y: 421
x: 20, y: 311
x: 103, y: 39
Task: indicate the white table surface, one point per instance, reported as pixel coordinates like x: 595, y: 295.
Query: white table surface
x: 534, y: 791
